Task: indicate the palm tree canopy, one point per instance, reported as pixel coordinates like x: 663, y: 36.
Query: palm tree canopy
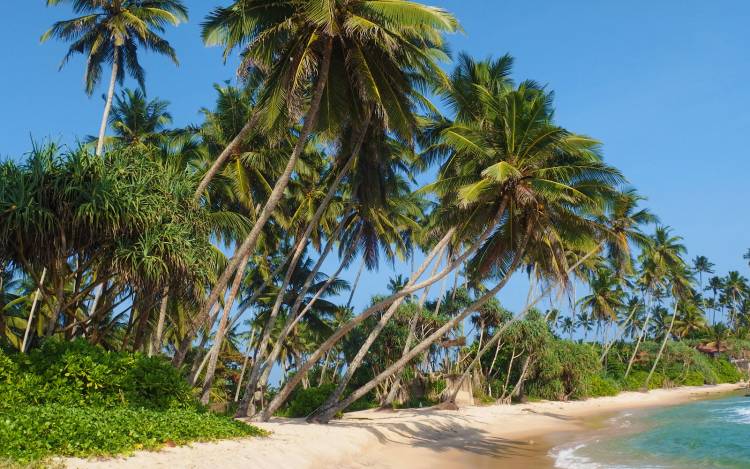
x: 122, y: 25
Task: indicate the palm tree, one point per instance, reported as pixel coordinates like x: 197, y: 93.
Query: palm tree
x: 568, y: 326
x: 734, y: 289
x: 136, y: 120
x: 110, y: 32
x: 510, y: 158
x: 606, y: 297
x: 701, y: 265
x: 299, y: 43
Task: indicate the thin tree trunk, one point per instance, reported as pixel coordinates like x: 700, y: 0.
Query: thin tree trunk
x: 248, y: 245
x: 663, y: 344
x: 513, y: 357
x: 324, y: 414
x: 620, y: 331
x: 640, y: 338
x: 208, y: 381
x: 226, y: 153
x: 525, y: 369
x: 108, y: 103
x: 354, y: 322
x: 244, y: 365
x: 262, y: 367
x: 33, y: 309
x: 156, y: 342
x: 393, y: 391
x: 256, y: 371
x: 520, y: 315
x: 356, y: 282
x: 419, y: 348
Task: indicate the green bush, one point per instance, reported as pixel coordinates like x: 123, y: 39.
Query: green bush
x: 303, y: 402
x: 725, y: 371
x: 603, y: 386
x: 75, y: 399
x: 32, y: 433
x: 693, y: 378
x: 78, y: 373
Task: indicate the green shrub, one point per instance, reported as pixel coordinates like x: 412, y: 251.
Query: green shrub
x: 603, y: 386
x: 78, y: 373
x: 726, y: 372
x: 32, y: 433
x: 303, y: 402
x: 693, y: 378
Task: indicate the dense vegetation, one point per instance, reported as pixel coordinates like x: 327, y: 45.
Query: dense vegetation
x: 204, y: 245
x: 77, y: 399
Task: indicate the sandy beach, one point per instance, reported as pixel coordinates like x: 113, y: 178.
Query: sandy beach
x: 490, y: 436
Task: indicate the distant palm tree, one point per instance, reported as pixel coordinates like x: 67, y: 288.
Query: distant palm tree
x: 110, y: 32
x: 137, y: 120
x: 701, y: 265
x: 746, y: 256
x: 568, y: 326
x: 735, y: 288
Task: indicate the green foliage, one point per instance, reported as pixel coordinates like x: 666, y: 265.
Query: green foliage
x: 76, y: 399
x: 725, y: 371
x: 35, y: 432
x: 304, y: 401
x: 602, y: 386
x: 564, y: 371
x: 78, y: 373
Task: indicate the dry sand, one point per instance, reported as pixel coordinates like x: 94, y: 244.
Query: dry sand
x: 492, y: 436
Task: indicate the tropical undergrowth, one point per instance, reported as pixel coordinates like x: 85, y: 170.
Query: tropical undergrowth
x: 76, y: 399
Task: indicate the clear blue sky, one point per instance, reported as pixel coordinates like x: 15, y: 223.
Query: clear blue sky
x: 662, y: 84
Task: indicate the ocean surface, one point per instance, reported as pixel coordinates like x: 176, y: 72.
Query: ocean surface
x: 705, y: 434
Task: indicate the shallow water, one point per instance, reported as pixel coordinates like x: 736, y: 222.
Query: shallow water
x: 705, y: 434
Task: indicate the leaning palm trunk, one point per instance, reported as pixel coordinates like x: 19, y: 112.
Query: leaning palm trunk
x: 257, y: 369
x: 31, y: 314
x: 156, y: 341
x: 294, y: 381
x: 663, y: 344
x: 293, y: 318
x: 323, y: 413
x: 620, y: 331
x: 356, y: 282
x: 244, y: 365
x: 393, y: 391
x: 226, y: 153
x: 501, y: 330
x: 248, y: 245
x: 640, y: 338
x: 108, y: 103
x: 208, y: 381
x: 325, y: 416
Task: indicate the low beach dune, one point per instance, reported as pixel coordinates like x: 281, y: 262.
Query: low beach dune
x: 491, y: 436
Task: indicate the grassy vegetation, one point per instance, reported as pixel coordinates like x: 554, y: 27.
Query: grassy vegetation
x: 75, y: 399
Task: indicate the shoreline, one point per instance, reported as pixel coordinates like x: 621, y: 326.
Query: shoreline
x: 518, y: 435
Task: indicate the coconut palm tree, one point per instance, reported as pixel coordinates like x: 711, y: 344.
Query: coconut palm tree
x: 301, y: 45
x: 110, y: 32
x: 734, y: 288
x: 701, y: 265
x: 568, y: 326
x: 606, y: 297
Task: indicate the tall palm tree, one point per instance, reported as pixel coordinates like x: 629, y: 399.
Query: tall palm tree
x: 735, y: 288
x: 331, y: 48
x: 701, y: 265
x: 606, y: 297
x: 110, y: 32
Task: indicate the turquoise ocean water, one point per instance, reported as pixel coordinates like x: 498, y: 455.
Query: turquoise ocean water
x: 704, y: 434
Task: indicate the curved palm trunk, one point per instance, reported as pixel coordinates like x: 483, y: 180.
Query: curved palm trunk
x: 620, y: 331
x: 293, y: 318
x: 259, y: 364
x: 393, y: 391
x: 294, y: 381
x: 663, y: 344
x: 324, y: 414
x: 356, y: 282
x: 156, y: 342
x: 25, y: 342
x: 518, y: 316
x: 208, y: 381
x: 248, y: 245
x: 324, y: 417
x: 108, y: 103
x: 244, y: 365
x: 640, y: 338
x: 225, y: 154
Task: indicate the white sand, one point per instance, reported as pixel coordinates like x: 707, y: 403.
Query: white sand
x: 470, y: 437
